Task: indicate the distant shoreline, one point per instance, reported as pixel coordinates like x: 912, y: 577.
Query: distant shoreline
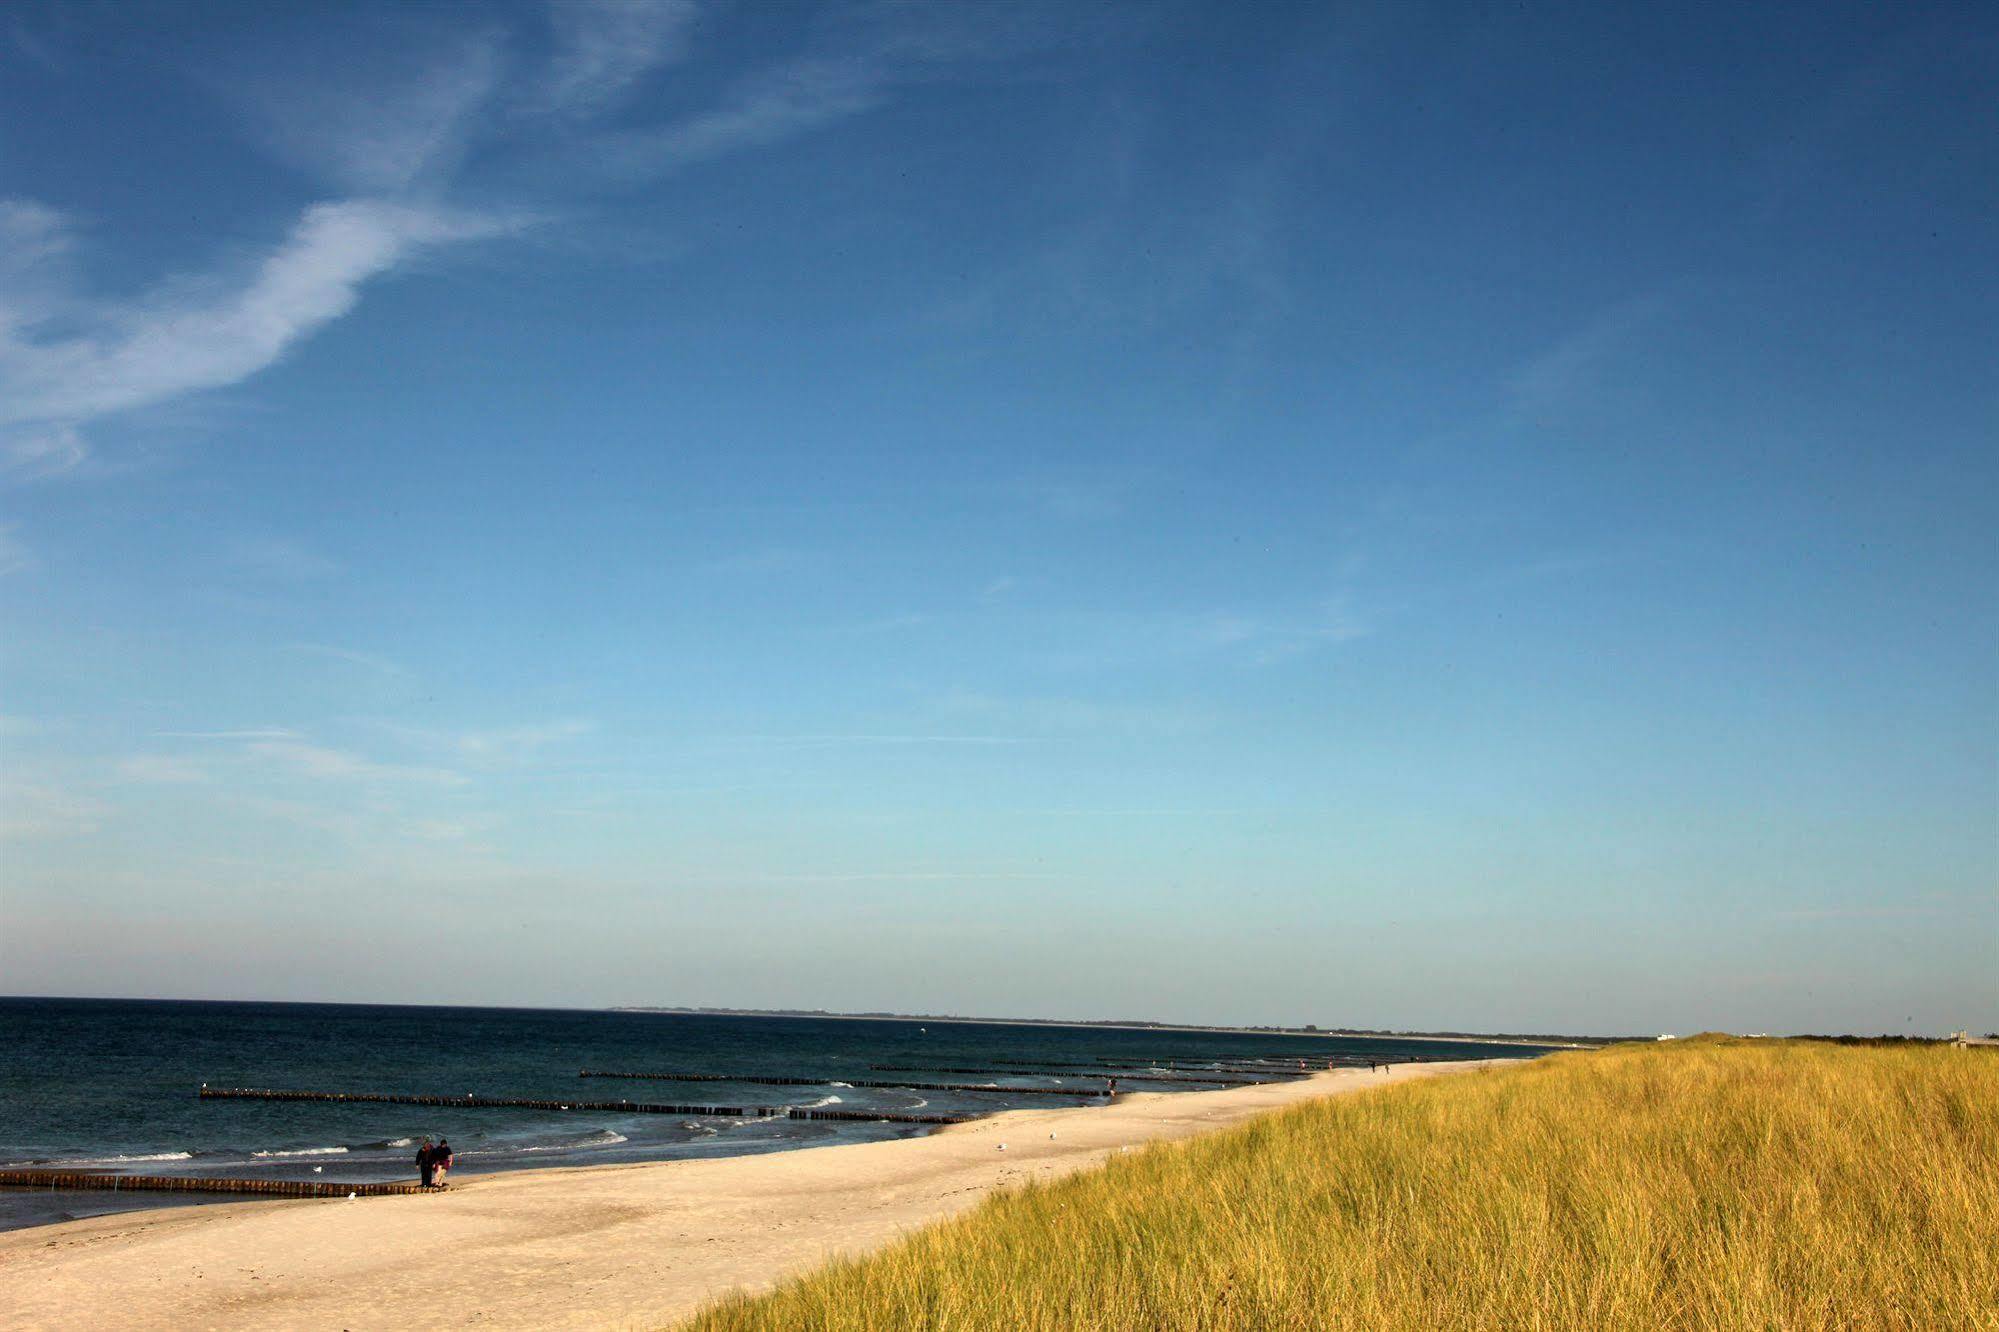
x: 1537, y: 1042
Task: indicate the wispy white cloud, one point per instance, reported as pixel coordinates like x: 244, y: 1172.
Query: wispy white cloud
x: 1257, y: 635
x: 34, y: 810
x: 369, y: 827
x: 511, y: 746
x: 442, y: 759
x: 324, y: 764
x: 388, y: 136
x: 36, y: 242
x: 32, y: 236
x: 604, y: 48
x: 49, y: 450
x: 192, y: 335
x: 366, y: 660
x: 285, y: 750
x: 364, y: 827
x: 162, y: 769
x: 767, y: 108
x: 200, y: 335
x: 401, y: 120
x: 391, y: 131
x: 304, y: 814
x: 861, y: 63
x: 1577, y: 367
x: 1272, y: 639
x: 1116, y: 264
x: 491, y: 749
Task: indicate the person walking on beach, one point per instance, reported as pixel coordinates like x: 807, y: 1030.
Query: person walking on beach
x: 441, y: 1161
x: 426, y: 1163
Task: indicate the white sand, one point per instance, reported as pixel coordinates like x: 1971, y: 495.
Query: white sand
x: 605, y: 1246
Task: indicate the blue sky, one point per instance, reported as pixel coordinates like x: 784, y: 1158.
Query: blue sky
x: 1417, y: 517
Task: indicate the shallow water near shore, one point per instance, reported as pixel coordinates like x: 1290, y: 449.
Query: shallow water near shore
x: 111, y: 1084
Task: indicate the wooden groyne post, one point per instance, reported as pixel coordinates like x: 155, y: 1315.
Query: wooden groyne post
x: 846, y: 1082
x: 274, y: 1188
x: 471, y: 1102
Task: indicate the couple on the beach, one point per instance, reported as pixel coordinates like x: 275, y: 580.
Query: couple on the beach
x: 433, y: 1162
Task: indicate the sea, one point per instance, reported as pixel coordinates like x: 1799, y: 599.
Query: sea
x: 104, y: 1084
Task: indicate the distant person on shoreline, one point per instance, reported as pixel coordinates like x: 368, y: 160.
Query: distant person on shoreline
x: 426, y: 1163
x: 1111, y: 1091
x: 441, y: 1161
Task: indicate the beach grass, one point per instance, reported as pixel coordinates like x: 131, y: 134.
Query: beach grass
x: 1706, y: 1183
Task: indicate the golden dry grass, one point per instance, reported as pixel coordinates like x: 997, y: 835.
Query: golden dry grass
x: 1711, y: 1183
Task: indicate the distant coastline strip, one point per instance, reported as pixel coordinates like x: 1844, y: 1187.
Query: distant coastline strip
x: 472, y: 1102
x: 762, y: 1080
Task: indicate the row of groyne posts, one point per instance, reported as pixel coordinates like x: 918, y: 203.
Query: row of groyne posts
x: 1235, y: 1072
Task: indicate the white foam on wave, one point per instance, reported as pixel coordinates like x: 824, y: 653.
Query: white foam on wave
x: 822, y: 1101
x: 400, y: 1142
x: 848, y: 1085
x: 114, y: 1160
x: 305, y: 1151
x: 603, y: 1138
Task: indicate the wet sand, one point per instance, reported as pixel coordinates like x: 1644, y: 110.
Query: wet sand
x: 636, y: 1246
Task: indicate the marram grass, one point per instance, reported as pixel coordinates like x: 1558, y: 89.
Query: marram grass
x: 1710, y: 1183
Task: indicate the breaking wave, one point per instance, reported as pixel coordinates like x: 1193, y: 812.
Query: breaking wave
x: 112, y: 1160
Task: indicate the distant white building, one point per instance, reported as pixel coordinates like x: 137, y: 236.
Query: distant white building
x: 1669, y: 1036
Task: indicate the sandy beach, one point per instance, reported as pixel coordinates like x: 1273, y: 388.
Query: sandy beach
x: 612, y: 1246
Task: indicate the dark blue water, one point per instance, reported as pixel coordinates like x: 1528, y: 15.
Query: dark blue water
x: 111, y: 1084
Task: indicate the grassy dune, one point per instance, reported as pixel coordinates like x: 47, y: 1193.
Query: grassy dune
x: 1710, y: 1183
